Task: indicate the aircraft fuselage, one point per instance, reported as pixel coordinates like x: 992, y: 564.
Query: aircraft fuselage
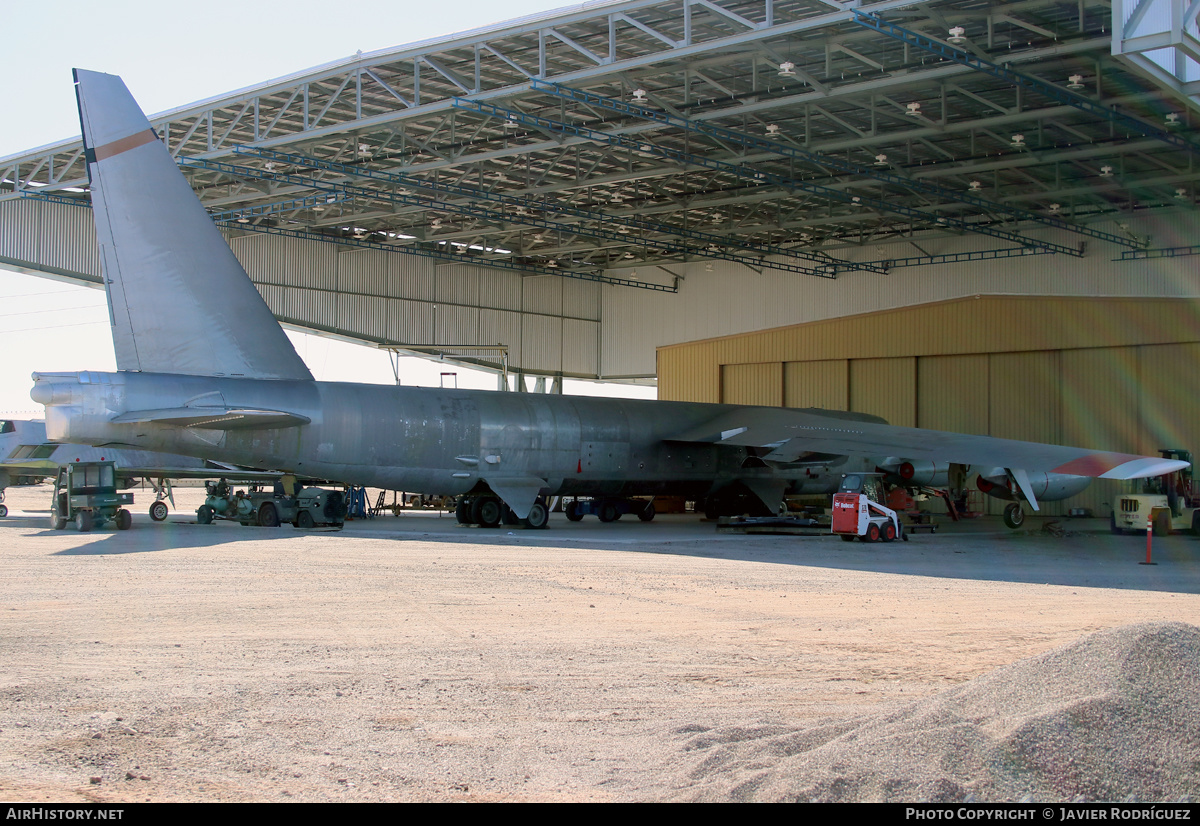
x: 434, y: 441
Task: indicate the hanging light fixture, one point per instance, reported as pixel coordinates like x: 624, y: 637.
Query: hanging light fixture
x: 1172, y: 119
x: 1181, y: 194
x: 974, y: 186
x: 1075, y: 82
x: 956, y: 35
x: 1017, y: 141
x: 772, y: 129
x: 1106, y: 172
x: 881, y: 159
x: 1054, y: 208
x: 787, y: 69
x: 914, y: 109
x: 639, y: 95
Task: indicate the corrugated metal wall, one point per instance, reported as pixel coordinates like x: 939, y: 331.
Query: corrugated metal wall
x: 549, y: 324
x: 1114, y: 374
x: 733, y: 300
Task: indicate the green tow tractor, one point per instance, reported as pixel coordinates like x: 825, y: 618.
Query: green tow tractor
x: 86, y: 493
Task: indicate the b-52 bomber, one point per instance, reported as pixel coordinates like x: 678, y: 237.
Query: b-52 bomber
x: 205, y: 370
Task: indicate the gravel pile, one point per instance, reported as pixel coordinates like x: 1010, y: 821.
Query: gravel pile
x: 1114, y: 716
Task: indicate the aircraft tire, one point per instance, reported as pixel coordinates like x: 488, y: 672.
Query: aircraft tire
x: 646, y: 514
x: 510, y: 518
x: 304, y: 521
x: 1014, y: 516
x: 158, y: 511
x: 488, y: 511
x: 123, y: 520
x: 538, y: 517
x: 83, y: 521
x: 3, y: 511
x: 571, y: 509
x: 205, y: 515
x: 462, y: 510
x: 268, y: 515
x: 608, y: 511
x: 1162, y: 524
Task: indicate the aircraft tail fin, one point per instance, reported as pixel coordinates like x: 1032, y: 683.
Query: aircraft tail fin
x: 179, y: 300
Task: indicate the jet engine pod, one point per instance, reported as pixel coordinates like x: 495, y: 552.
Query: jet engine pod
x: 918, y: 473
x: 1047, y: 487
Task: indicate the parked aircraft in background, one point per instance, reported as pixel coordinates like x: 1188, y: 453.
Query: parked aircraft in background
x: 26, y: 457
x: 215, y: 377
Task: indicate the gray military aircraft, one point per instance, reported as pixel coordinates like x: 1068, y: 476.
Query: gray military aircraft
x: 205, y: 370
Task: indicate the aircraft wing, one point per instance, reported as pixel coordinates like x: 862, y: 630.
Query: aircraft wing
x: 792, y: 432
x: 235, y: 475
x: 29, y: 467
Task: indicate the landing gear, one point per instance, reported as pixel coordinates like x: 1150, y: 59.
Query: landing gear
x: 646, y: 514
x: 3, y: 511
x: 487, y: 511
x: 538, y: 517
x: 1014, y: 516
x: 574, y: 514
x: 608, y: 511
x: 158, y: 511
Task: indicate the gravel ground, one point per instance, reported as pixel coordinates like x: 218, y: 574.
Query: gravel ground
x: 412, y: 659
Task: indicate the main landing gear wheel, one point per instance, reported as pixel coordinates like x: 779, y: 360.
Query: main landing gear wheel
x: 487, y: 512
x: 538, y: 516
x: 158, y: 511
x: 304, y: 521
x: 124, y: 520
x: 1014, y: 516
x: 83, y: 521
x: 462, y: 510
x: 268, y: 516
x: 572, y: 511
x: 647, y: 513
x: 609, y: 512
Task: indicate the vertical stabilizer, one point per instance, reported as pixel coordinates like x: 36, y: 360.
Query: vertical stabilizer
x: 179, y: 301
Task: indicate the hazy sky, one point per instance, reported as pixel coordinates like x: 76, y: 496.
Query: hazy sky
x: 170, y: 55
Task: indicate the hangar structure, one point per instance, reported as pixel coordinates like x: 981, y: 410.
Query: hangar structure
x: 582, y: 187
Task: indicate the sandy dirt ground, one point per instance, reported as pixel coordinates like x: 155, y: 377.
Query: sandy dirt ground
x: 413, y: 659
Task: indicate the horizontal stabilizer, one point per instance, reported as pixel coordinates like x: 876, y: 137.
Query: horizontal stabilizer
x: 214, y: 418
x: 814, y: 431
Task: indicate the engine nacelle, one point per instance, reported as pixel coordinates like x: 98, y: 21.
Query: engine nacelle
x: 1047, y: 487
x: 936, y: 474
